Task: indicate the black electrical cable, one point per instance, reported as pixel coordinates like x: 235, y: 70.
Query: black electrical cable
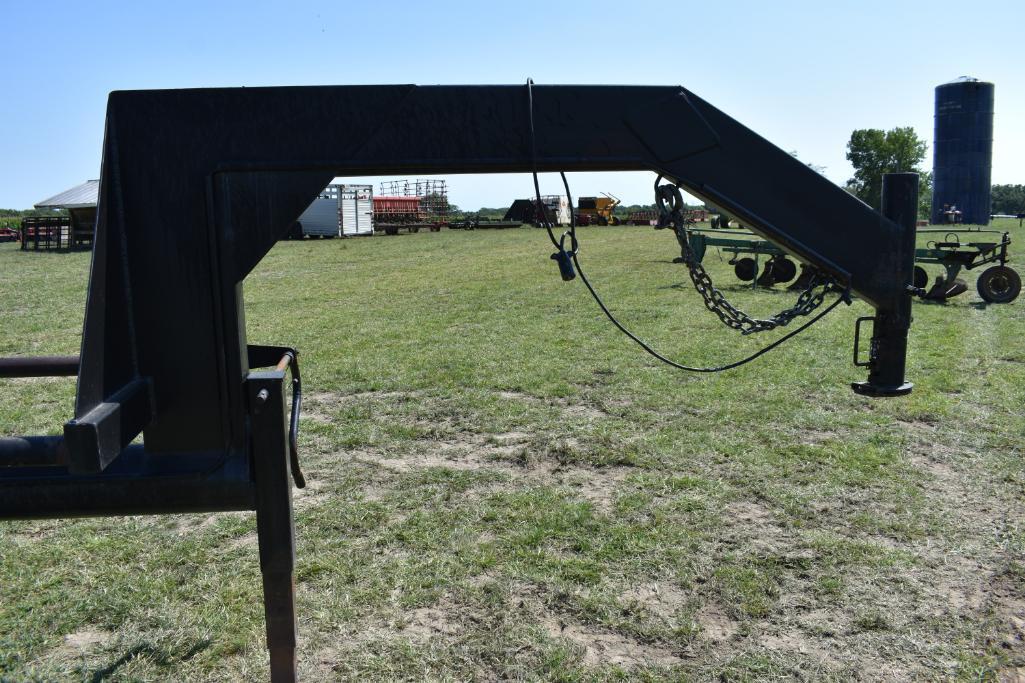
x: 574, y: 248
x: 688, y: 368
x: 539, y: 211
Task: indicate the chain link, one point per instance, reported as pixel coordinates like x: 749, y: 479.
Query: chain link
x: 671, y: 214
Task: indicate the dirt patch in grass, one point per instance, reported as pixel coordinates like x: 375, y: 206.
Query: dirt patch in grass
x: 32, y: 530
x: 750, y: 524
x: 600, y: 648
x: 816, y: 437
x: 792, y: 642
x: 246, y: 541
x: 82, y: 642
x: 715, y: 624
x: 660, y: 597
x: 571, y: 409
x: 1005, y: 601
x: 312, y: 494
x: 425, y: 623
x: 187, y: 524
x: 509, y: 456
x: 596, y: 646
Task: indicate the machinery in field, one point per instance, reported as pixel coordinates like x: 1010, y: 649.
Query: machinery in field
x: 478, y: 222
x: 651, y: 217
x: 10, y: 231
x: 551, y: 207
x: 411, y: 205
x: 967, y: 249
x: 597, y: 210
x: 998, y: 284
x: 197, y: 186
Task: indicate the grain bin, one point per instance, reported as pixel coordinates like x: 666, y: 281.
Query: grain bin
x: 962, y: 152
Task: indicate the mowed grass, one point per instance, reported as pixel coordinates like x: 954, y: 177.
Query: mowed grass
x: 503, y: 486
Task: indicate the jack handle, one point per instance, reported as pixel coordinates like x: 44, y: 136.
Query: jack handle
x: 290, y: 360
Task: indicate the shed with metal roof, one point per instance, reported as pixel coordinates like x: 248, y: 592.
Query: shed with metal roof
x: 80, y: 203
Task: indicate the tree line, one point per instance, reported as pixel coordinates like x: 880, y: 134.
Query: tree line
x: 1008, y: 199
x: 23, y: 213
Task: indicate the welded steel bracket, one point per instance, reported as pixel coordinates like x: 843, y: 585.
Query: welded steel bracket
x: 96, y: 438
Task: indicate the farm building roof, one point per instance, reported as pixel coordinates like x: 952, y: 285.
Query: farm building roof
x: 79, y: 197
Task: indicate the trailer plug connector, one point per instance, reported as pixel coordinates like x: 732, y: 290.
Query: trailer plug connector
x: 565, y: 261
x: 916, y: 291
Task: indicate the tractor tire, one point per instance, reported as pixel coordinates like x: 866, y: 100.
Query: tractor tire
x: 391, y: 230
x: 921, y: 278
x: 745, y: 269
x: 999, y: 285
x: 783, y: 270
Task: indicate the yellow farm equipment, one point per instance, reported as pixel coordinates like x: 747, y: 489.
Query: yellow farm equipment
x: 597, y: 210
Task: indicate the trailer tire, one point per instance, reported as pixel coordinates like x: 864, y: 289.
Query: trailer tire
x: 999, y: 285
x: 745, y: 269
x: 921, y: 278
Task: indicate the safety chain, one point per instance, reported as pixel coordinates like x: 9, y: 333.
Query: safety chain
x: 671, y: 214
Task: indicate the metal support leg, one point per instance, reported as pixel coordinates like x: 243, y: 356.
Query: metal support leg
x: 274, y: 518
x: 890, y: 330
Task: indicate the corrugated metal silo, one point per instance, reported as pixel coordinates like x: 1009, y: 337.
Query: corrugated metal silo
x: 963, y: 151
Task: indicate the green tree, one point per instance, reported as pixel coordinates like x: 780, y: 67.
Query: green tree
x: 873, y: 152
x: 1008, y: 199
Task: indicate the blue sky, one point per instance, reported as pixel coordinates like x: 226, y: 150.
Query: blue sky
x: 803, y: 74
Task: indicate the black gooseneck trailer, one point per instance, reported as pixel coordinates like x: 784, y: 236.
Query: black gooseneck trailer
x: 196, y: 187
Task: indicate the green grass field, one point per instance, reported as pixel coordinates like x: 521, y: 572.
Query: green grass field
x: 502, y: 486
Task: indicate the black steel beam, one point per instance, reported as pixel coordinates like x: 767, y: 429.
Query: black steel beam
x: 137, y: 483
x: 197, y: 185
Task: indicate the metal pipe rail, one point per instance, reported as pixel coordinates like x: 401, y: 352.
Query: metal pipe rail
x: 39, y: 366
